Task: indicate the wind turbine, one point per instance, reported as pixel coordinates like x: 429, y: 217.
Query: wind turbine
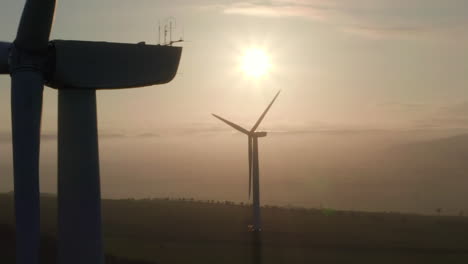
x: 77, y: 69
x: 254, y: 171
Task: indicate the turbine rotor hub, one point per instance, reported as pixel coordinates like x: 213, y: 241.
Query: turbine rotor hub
x: 5, y: 48
x: 21, y: 59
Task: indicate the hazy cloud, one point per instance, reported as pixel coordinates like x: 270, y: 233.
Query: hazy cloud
x: 315, y: 9
x: 368, y: 18
x: 403, y: 105
x: 279, y: 8
x: 6, y: 136
x: 452, y: 116
x: 386, y: 31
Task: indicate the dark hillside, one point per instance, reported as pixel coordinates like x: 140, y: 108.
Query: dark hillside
x: 185, y: 231
x: 48, y: 250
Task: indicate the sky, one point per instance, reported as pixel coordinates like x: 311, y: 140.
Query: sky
x: 388, y: 69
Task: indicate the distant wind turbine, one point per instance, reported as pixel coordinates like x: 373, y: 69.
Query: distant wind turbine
x: 254, y: 180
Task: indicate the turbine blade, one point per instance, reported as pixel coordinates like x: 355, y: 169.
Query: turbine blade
x: 4, y: 53
x: 264, y: 113
x: 250, y: 165
x: 26, y: 110
x: 35, y: 25
x: 235, y: 126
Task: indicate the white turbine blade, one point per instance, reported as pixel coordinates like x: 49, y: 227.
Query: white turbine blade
x: 4, y: 53
x: 264, y: 113
x: 235, y: 126
x: 105, y: 65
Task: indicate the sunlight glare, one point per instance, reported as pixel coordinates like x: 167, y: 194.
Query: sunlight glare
x: 255, y: 63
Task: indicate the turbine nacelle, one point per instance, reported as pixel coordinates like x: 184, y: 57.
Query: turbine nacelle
x: 259, y: 134
x: 106, y: 65
x: 92, y: 65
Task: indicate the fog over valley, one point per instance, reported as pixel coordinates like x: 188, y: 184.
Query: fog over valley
x: 375, y: 170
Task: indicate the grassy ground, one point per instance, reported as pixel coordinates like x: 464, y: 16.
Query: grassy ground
x: 163, y: 231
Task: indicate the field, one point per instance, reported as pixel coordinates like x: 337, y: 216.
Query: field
x: 186, y: 231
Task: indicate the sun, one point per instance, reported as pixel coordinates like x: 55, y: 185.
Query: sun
x: 255, y: 63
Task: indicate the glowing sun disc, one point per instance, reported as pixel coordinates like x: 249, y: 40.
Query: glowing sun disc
x: 255, y: 63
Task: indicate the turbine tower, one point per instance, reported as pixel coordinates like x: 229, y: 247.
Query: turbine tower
x: 77, y: 69
x: 254, y: 171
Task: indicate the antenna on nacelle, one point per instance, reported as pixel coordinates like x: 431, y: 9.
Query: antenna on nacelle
x: 165, y: 34
x: 159, y: 32
x: 170, y: 31
x: 169, y: 25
